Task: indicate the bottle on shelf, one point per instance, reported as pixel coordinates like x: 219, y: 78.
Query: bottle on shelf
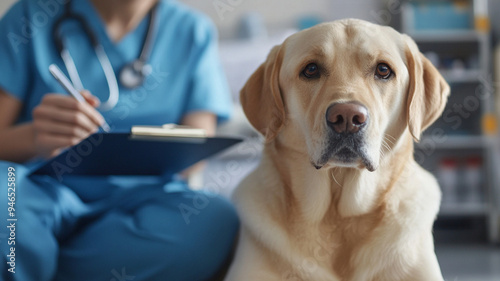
x: 473, y: 180
x: 481, y: 19
x: 448, y: 179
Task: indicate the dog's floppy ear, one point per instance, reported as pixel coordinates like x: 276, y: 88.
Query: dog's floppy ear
x: 427, y: 91
x: 261, y: 96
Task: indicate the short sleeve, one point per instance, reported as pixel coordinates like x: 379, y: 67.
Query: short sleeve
x: 209, y: 90
x: 15, y: 41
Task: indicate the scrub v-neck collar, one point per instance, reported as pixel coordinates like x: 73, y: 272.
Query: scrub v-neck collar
x: 128, y: 47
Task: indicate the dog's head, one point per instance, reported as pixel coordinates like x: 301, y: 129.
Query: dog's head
x: 344, y: 93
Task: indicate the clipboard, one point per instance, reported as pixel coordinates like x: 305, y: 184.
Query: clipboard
x: 114, y: 154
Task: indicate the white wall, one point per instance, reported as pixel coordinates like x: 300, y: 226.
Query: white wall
x: 279, y: 14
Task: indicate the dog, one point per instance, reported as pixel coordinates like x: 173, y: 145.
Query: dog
x: 337, y: 194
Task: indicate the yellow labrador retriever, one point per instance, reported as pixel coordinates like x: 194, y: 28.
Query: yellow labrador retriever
x: 338, y: 195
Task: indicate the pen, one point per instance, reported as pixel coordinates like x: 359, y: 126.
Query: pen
x: 66, y: 84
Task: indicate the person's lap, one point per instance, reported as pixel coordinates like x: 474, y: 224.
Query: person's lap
x: 146, y: 234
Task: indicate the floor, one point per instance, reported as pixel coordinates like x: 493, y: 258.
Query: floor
x: 469, y: 262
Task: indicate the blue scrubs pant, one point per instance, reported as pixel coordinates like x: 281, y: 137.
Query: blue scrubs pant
x: 142, y: 233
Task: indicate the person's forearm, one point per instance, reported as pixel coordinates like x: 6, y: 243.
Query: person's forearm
x: 17, y: 143
x: 201, y: 120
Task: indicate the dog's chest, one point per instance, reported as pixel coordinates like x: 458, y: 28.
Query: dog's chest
x: 329, y: 248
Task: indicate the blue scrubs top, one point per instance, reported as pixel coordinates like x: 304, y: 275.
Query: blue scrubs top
x: 187, y: 75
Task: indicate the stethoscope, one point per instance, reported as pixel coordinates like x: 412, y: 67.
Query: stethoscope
x: 132, y: 75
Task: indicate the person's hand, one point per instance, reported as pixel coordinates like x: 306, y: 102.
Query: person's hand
x: 60, y: 121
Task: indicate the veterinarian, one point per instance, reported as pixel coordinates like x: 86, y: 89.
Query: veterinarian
x: 107, y: 228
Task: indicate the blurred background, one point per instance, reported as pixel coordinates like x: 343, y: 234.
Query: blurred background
x: 462, y: 149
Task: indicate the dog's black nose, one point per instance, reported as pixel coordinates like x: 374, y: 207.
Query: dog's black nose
x: 346, y: 117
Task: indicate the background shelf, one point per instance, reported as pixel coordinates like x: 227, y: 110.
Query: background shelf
x: 448, y: 38
x: 436, y: 36
x: 463, y: 209
x: 456, y: 142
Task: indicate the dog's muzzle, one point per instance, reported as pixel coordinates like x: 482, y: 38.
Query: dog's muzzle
x: 346, y: 123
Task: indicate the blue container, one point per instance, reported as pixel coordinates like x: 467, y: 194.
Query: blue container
x: 308, y: 21
x: 442, y: 15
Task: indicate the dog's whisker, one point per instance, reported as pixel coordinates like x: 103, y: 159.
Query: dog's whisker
x: 390, y: 139
x: 393, y: 138
x: 386, y: 146
x: 333, y: 176
x: 384, y: 143
x: 387, y: 143
x: 382, y: 154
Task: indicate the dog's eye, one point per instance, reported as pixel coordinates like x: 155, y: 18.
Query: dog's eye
x: 311, y: 71
x: 383, y: 71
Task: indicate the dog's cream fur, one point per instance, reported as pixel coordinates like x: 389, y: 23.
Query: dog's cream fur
x: 341, y: 221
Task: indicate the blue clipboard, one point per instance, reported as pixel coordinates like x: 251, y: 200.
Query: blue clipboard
x: 112, y: 154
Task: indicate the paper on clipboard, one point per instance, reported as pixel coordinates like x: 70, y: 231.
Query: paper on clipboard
x: 168, y: 130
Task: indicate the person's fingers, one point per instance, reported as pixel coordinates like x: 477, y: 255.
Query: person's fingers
x: 65, y: 116
x: 51, y: 142
x: 61, y: 121
x: 91, y: 99
x: 48, y: 153
x: 59, y: 128
x: 53, y: 153
x: 90, y: 111
x: 61, y: 100
x: 67, y: 102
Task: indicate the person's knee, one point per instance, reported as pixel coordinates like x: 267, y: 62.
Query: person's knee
x: 215, y: 229
x: 198, y: 216
x: 207, y: 206
x: 200, y: 231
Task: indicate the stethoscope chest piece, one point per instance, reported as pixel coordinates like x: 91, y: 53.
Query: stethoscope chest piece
x: 133, y: 74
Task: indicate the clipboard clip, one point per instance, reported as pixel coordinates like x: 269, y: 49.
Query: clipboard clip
x: 168, y: 130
